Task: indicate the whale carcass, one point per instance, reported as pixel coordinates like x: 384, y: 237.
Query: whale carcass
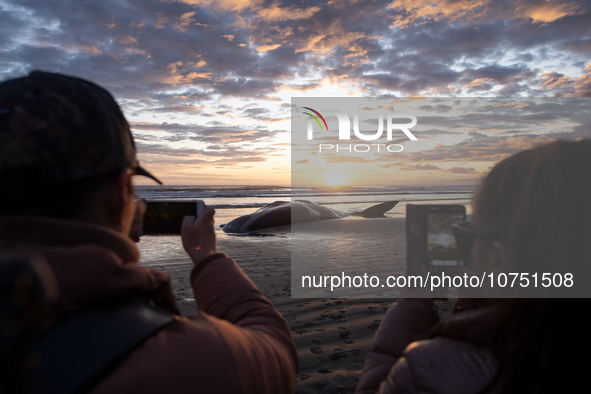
x: 282, y: 213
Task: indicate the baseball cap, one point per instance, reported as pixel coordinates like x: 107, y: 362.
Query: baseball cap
x: 66, y: 127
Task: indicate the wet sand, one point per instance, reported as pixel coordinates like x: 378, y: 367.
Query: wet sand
x: 332, y: 335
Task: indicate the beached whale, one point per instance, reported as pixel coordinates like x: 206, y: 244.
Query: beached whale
x: 282, y: 213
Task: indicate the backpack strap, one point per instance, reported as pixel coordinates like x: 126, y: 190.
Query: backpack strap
x: 84, y: 347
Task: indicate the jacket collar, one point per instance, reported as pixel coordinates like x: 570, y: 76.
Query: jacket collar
x: 41, y: 231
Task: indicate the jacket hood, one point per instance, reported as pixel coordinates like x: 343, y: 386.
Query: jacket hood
x: 90, y: 262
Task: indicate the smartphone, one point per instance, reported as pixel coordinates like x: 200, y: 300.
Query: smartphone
x: 430, y: 242
x: 165, y: 217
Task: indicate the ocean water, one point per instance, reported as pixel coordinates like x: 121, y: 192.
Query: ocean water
x: 233, y: 201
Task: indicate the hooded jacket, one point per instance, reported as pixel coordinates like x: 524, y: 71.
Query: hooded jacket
x: 237, y: 343
x: 402, y: 358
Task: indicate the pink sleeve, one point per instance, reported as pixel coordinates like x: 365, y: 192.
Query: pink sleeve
x: 258, y: 337
x: 405, y: 322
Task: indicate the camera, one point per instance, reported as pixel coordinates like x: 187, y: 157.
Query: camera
x: 165, y: 217
x: 430, y: 242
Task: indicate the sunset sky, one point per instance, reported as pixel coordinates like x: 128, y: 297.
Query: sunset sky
x: 207, y: 85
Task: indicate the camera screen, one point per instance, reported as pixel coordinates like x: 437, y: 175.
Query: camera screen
x: 167, y: 217
x: 442, y: 249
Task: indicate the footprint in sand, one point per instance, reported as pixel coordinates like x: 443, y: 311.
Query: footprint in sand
x: 318, y: 386
x: 344, y: 335
x: 338, y: 355
x: 316, y: 350
x: 353, y: 367
x: 374, y: 325
x: 340, y: 318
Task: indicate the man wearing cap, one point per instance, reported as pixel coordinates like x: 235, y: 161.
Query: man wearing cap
x: 66, y: 161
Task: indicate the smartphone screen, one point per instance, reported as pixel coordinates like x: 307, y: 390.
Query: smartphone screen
x: 442, y: 250
x: 430, y: 243
x: 166, y: 217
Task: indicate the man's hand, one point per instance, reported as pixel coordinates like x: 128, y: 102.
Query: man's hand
x: 198, y: 235
x: 136, y: 226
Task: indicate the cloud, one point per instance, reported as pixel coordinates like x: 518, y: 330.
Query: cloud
x: 127, y: 40
x: 191, y: 70
x: 489, y: 149
x: 267, y: 48
x: 461, y: 170
x: 224, y: 5
x: 333, y: 159
x: 583, y: 83
x: 411, y: 11
x: 194, y: 132
x: 307, y: 86
x: 424, y: 167
x: 165, y: 154
x: 184, y: 21
x: 424, y: 11
x: 563, y: 85
x: 180, y: 108
x: 548, y: 11
x: 276, y: 13
x: 552, y: 80
x: 219, y: 44
x: 499, y: 74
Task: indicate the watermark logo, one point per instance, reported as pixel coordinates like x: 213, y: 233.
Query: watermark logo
x: 315, y: 118
x: 344, y: 122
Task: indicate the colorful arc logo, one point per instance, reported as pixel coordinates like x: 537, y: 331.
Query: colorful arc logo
x: 315, y: 118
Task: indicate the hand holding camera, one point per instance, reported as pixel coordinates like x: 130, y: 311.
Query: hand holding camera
x: 198, y: 235
x: 191, y: 219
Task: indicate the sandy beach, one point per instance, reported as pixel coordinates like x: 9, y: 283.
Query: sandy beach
x: 332, y: 334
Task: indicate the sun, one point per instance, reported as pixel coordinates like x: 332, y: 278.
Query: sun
x: 335, y: 178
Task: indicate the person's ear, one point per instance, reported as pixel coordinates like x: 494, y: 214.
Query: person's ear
x: 124, y: 184
x: 119, y: 199
x: 126, y: 190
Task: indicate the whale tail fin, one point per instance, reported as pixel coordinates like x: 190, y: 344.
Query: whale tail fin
x: 377, y: 211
